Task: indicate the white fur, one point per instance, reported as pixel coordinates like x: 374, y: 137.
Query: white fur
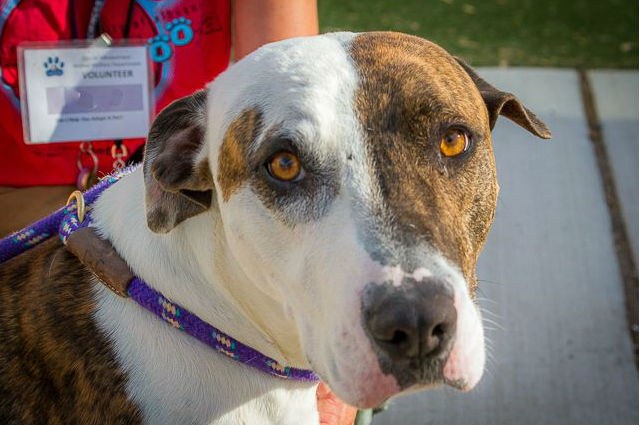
x: 171, y: 375
x: 396, y: 274
x: 291, y: 292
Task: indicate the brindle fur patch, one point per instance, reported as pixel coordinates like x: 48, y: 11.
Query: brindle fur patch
x: 56, y: 367
x: 233, y: 169
x: 410, y: 92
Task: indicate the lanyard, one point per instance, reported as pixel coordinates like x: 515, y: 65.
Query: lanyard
x: 88, y: 175
x: 94, y: 19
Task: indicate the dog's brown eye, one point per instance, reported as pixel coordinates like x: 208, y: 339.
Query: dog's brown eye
x: 284, y: 166
x: 454, y: 142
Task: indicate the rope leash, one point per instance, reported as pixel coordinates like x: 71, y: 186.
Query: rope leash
x: 43, y: 229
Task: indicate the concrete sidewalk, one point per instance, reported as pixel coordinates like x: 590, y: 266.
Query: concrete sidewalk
x: 551, y: 289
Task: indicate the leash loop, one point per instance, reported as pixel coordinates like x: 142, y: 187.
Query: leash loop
x: 79, y: 202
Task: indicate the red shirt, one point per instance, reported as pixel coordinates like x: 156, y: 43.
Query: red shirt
x: 198, y: 49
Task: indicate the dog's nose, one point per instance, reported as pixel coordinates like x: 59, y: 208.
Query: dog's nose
x: 413, y: 322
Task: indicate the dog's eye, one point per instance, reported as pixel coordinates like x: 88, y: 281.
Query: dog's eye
x: 284, y: 166
x: 454, y: 142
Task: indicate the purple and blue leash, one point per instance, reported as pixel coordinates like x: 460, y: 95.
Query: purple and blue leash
x: 43, y: 229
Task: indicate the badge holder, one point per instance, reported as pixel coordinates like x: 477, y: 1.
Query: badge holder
x: 85, y: 91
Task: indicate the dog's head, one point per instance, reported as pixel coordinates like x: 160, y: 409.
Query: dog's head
x: 355, y: 180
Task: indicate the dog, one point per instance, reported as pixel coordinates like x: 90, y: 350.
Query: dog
x: 324, y: 201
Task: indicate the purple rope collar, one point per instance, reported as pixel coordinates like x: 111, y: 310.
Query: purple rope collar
x: 183, y: 319
x: 65, y: 221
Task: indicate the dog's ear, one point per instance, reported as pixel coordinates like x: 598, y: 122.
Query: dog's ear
x: 506, y: 104
x: 177, y: 177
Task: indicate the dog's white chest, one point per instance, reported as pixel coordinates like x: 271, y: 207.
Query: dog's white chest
x: 174, y: 378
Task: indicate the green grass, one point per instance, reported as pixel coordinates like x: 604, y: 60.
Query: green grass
x: 560, y: 33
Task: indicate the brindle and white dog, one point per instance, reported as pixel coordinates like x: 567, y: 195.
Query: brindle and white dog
x: 324, y: 202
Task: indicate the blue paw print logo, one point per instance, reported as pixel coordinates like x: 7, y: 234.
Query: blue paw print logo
x: 53, y: 66
x: 180, y: 33
x: 160, y: 48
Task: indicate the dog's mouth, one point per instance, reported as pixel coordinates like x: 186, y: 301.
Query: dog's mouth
x: 427, y: 373
x: 459, y: 366
x: 376, y: 385
x: 414, y: 371
x: 458, y: 384
x: 428, y: 380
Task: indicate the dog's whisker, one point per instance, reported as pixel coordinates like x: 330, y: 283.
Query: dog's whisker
x: 480, y: 291
x: 492, y: 282
x: 486, y: 300
x: 51, y: 263
x: 494, y: 323
x: 489, y: 356
x: 495, y: 316
x: 488, y: 369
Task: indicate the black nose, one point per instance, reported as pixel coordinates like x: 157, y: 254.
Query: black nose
x: 416, y: 320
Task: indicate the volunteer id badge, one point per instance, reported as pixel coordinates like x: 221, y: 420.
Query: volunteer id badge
x: 77, y: 91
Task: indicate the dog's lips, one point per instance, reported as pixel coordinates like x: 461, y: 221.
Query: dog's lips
x: 368, y: 390
x: 377, y: 393
x: 458, y: 384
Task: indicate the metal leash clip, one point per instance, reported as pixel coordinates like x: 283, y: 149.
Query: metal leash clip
x: 80, y: 205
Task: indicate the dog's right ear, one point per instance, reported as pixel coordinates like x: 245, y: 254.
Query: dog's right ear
x: 177, y: 178
x: 505, y: 104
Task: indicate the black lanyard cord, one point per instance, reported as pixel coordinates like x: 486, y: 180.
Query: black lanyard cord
x: 92, y: 30
x: 129, y: 18
x: 94, y: 19
x: 71, y: 13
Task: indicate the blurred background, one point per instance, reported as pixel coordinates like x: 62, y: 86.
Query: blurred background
x: 559, y: 283
x: 569, y: 33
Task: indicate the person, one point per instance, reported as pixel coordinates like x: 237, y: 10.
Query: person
x: 190, y: 42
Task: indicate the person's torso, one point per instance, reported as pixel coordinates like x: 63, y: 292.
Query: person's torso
x: 189, y: 42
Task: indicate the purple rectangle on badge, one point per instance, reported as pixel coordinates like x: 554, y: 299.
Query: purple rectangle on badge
x: 87, y: 99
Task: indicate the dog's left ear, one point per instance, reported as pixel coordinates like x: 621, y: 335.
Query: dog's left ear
x: 506, y: 104
x: 177, y: 177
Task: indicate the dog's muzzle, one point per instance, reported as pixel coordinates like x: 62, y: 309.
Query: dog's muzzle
x: 411, y: 328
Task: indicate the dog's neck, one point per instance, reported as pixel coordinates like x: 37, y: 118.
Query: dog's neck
x: 193, y: 266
